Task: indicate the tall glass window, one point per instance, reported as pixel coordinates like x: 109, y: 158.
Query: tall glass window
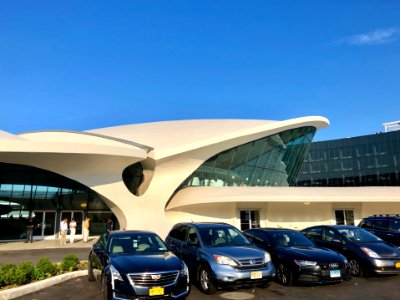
x: 270, y: 161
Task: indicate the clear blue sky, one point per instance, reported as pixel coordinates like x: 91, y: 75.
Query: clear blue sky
x: 79, y: 65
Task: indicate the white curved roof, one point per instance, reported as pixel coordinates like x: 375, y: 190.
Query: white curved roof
x: 173, y: 137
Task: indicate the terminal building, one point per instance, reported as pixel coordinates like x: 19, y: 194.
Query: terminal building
x: 248, y: 173
x: 357, y: 162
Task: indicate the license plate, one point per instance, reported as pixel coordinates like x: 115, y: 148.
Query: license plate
x: 335, y: 273
x: 397, y: 265
x: 256, y: 275
x: 156, y: 291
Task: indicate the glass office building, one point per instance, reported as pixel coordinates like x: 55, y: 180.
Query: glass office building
x: 370, y: 160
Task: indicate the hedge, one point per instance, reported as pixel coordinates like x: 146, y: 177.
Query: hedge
x: 12, y: 275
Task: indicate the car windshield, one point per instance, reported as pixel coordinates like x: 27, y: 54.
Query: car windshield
x: 359, y: 235
x: 136, y: 243
x: 223, y: 236
x: 289, y: 239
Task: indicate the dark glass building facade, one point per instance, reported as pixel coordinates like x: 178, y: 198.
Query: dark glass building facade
x: 370, y: 160
x: 28, y: 192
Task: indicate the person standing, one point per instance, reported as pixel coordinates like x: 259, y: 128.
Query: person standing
x: 72, y: 231
x: 109, y: 226
x: 29, y: 230
x: 85, y: 229
x: 63, y: 231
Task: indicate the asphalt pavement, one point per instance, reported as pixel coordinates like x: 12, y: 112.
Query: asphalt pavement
x: 375, y: 287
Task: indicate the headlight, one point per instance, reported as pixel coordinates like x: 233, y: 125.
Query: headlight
x: 267, y: 257
x: 115, y: 274
x: 224, y: 260
x: 305, y: 263
x: 185, y: 270
x: 370, y: 252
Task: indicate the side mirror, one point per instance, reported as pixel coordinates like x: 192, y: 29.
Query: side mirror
x: 97, y: 250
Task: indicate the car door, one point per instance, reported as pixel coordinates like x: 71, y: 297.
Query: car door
x: 177, y: 238
x: 98, y: 258
x: 394, y: 232
x: 190, y: 248
x: 381, y: 229
x: 333, y: 240
x: 315, y: 235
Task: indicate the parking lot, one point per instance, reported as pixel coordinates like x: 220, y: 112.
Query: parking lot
x: 381, y: 287
x: 387, y: 287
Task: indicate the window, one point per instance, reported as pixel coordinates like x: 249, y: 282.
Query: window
x: 330, y: 235
x: 249, y: 219
x: 314, y: 233
x: 344, y: 217
x: 394, y: 226
x: 381, y: 224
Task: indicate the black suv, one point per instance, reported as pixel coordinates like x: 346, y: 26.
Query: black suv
x: 387, y: 227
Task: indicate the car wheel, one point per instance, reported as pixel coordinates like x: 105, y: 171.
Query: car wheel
x: 284, y: 275
x: 355, y: 268
x: 90, y: 272
x: 205, y: 281
x: 105, y: 288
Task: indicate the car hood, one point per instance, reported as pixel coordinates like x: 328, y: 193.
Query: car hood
x: 382, y: 249
x: 127, y: 263
x: 237, y: 252
x: 309, y: 253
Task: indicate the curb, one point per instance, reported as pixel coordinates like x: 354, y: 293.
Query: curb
x: 36, y: 286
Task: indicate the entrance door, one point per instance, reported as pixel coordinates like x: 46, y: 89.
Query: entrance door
x: 77, y: 215
x: 45, y: 223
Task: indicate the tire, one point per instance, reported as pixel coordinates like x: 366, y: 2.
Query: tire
x: 355, y: 268
x: 105, y: 288
x: 284, y: 275
x: 90, y: 272
x: 205, y: 281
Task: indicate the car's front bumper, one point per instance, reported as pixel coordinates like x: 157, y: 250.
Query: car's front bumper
x: 385, y: 266
x: 124, y: 290
x: 316, y: 274
x: 227, y: 276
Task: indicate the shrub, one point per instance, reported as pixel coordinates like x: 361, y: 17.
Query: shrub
x: 24, y: 273
x: 7, y: 274
x: 70, y: 263
x: 45, y: 268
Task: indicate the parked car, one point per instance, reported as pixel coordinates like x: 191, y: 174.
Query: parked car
x: 365, y: 251
x: 297, y: 259
x: 219, y: 255
x: 137, y: 264
x: 387, y: 227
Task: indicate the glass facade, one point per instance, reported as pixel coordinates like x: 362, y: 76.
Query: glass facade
x: 270, y: 161
x: 371, y: 160
x: 45, y: 196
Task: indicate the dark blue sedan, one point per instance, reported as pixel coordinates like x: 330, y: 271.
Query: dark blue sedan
x: 137, y: 264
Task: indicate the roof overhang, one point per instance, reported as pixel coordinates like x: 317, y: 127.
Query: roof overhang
x: 203, y: 195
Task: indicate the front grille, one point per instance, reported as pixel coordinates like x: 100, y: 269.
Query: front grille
x: 153, y: 279
x: 251, y: 263
x: 330, y: 266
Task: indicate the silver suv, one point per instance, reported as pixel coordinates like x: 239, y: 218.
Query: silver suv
x: 219, y: 255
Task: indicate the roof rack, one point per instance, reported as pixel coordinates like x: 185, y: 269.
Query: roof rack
x: 387, y: 215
